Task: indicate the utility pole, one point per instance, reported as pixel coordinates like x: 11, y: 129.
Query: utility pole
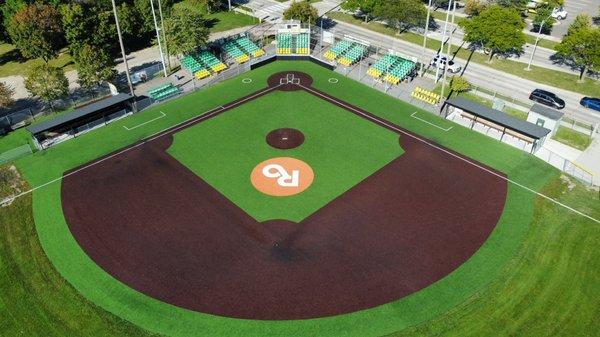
x: 131, y: 91
x: 162, y: 57
x: 448, y: 52
x: 229, y: 2
x: 423, y: 57
x: 162, y: 25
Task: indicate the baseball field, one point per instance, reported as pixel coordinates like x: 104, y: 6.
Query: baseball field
x: 172, y: 221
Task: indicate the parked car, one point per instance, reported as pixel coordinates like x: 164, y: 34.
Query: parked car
x: 440, y: 62
x: 559, y: 13
x: 591, y: 103
x: 547, y: 98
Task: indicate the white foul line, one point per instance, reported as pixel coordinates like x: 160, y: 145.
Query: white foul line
x: 381, y: 121
x: 207, y: 114
x: 434, y: 125
x: 142, y: 124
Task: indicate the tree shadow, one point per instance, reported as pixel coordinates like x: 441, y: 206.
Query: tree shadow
x: 12, y: 56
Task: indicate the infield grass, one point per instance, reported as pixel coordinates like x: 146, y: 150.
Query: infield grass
x: 527, y: 271
x: 342, y: 149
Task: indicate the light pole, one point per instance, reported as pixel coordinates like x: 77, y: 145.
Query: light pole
x: 448, y: 52
x: 164, y: 33
x: 423, y: 58
x: 537, y: 39
x: 124, y: 55
x: 320, y: 18
x: 162, y: 57
x: 441, y: 52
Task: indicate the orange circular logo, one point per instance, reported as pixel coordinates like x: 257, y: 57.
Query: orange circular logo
x: 282, y: 176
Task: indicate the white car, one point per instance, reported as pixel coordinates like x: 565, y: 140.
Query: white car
x: 440, y: 62
x: 559, y: 13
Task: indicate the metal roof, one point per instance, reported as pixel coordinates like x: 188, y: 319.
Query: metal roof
x: 499, y: 117
x: 547, y: 112
x: 79, y: 113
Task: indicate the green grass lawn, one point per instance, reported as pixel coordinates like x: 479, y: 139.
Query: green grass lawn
x: 572, y: 138
x: 542, y: 75
x: 11, y: 63
x: 220, y: 21
x: 534, y: 257
x: 333, y: 136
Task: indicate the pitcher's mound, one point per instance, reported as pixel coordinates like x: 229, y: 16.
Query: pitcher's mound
x: 285, y: 138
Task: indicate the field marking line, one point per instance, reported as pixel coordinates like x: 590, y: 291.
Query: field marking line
x: 432, y: 124
x: 206, y: 115
x: 380, y: 121
x: 163, y: 115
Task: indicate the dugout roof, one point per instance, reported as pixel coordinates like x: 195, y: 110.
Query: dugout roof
x: 82, y: 112
x: 498, y: 117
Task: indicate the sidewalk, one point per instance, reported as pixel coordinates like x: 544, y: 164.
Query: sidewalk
x: 590, y: 160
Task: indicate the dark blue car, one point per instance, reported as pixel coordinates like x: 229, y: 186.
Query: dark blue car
x: 591, y: 102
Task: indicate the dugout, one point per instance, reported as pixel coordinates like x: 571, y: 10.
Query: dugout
x: 491, y: 119
x: 81, y: 120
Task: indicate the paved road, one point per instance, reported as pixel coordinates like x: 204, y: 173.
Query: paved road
x: 480, y: 75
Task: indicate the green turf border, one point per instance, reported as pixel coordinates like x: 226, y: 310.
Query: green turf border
x: 100, y: 288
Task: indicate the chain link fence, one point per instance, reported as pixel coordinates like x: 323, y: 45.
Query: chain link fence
x: 15, y: 153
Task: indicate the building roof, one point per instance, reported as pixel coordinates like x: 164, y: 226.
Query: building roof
x: 547, y: 112
x: 499, y: 117
x: 79, y: 113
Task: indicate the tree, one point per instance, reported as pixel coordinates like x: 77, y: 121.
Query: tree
x: 367, y: 7
x: 543, y: 14
x: 497, y: 29
x: 302, y: 11
x: 187, y: 31
x: 6, y: 93
x: 94, y: 66
x: 89, y: 24
x: 581, y: 21
x: 474, y: 7
x: 402, y: 14
x: 459, y: 84
x: 582, y: 48
x: 47, y: 82
x: 35, y: 30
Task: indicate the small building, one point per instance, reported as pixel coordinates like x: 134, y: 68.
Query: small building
x: 545, y: 117
x: 495, y: 123
x: 81, y: 120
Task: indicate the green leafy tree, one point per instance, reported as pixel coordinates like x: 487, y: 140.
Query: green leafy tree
x: 94, y: 66
x: 512, y: 3
x: 474, y: 7
x: 367, y: 7
x: 302, y: 11
x: 46, y: 82
x: 582, y: 48
x: 582, y: 21
x: 89, y: 24
x: 402, y: 14
x: 6, y: 95
x: 35, y: 30
x: 144, y: 12
x: 187, y: 31
x: 542, y: 15
x: 459, y: 84
x: 497, y: 29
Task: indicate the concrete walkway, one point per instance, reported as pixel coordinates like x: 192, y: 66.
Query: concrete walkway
x: 590, y: 160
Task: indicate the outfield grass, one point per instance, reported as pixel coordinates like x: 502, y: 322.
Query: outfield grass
x: 538, y: 74
x: 222, y: 153
x: 36, y: 300
x: 549, y: 288
x: 477, y: 276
